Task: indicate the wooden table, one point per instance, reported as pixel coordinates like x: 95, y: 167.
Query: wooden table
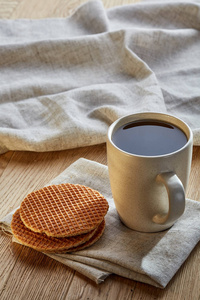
x: 28, y: 274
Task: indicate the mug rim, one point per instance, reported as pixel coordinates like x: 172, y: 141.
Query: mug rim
x: 150, y: 115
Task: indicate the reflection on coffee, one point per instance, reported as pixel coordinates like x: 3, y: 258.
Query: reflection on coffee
x: 149, y: 138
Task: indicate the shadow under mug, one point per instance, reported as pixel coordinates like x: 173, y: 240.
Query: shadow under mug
x: 149, y: 191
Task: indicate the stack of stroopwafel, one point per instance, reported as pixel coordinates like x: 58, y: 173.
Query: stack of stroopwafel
x: 60, y: 218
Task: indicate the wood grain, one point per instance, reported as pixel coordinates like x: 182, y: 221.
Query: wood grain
x: 34, y: 9
x: 7, y: 7
x: 28, y: 274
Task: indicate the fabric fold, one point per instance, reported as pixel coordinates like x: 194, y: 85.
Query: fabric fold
x: 78, y: 109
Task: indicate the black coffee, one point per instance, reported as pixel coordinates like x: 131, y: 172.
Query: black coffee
x: 149, y: 138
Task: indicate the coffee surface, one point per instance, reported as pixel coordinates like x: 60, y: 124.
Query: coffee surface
x: 149, y: 138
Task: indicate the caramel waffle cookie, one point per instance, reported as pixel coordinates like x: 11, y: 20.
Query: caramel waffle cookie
x: 98, y: 233
x: 63, y: 210
x: 42, y: 242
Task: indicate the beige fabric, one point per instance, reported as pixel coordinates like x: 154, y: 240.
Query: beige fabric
x: 150, y: 258
x: 66, y: 78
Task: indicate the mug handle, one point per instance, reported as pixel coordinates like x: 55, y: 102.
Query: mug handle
x: 176, y: 195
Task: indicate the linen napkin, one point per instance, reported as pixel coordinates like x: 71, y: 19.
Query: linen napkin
x: 152, y: 258
x: 72, y: 77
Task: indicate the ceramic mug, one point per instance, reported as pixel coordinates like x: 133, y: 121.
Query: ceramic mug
x: 149, y: 190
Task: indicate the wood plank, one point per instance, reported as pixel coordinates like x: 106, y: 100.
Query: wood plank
x: 114, y: 287
x: 33, y: 275
x: 111, y: 3
x: 35, y: 9
x: 7, y: 7
x: 4, y: 160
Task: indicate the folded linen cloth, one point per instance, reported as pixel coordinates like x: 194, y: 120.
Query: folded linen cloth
x: 152, y: 258
x: 61, y: 78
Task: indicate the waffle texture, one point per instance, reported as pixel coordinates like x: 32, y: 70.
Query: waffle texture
x: 96, y: 236
x: 63, y: 210
x: 42, y: 242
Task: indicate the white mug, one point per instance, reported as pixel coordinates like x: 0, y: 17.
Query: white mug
x: 149, y: 190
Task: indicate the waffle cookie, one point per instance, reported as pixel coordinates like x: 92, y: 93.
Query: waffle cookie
x: 98, y: 233
x: 42, y: 242
x: 63, y: 210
